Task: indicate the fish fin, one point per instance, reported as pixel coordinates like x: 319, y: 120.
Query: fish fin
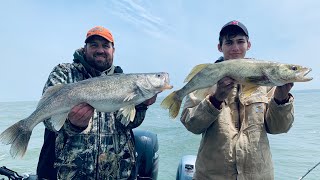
x: 57, y: 120
x: 128, y: 113
x: 173, y: 103
x: 18, y: 136
x: 248, y: 89
x: 201, y: 93
x: 50, y: 90
x: 130, y: 96
x: 195, y: 71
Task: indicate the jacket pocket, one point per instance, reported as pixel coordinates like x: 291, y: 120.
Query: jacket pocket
x: 255, y: 110
x: 76, y: 156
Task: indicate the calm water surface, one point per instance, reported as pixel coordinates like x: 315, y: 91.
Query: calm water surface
x: 294, y: 153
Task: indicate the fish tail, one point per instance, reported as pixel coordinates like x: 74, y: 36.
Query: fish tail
x: 18, y: 137
x: 173, y: 103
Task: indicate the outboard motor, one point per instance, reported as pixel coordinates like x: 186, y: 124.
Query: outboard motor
x: 146, y: 144
x: 186, y: 168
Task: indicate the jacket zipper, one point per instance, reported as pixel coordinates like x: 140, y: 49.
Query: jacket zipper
x: 237, y: 100
x: 97, y: 146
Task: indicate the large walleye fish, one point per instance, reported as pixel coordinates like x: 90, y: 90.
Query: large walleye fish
x: 244, y: 71
x: 106, y: 94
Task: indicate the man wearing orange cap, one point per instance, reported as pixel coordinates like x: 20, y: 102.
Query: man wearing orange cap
x: 91, y: 144
x: 234, y: 119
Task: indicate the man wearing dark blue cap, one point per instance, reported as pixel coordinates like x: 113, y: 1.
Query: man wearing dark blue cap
x: 234, y: 119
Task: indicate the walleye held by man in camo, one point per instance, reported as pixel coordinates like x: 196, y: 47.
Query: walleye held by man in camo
x: 106, y: 94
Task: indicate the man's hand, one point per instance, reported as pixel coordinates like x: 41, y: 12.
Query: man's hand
x: 81, y: 114
x: 150, y: 101
x: 282, y: 92
x: 224, y: 87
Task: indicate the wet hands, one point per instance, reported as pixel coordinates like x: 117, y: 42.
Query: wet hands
x: 281, y: 94
x: 224, y: 87
x: 150, y: 101
x: 81, y: 114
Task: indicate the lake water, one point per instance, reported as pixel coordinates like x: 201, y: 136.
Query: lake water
x: 294, y: 153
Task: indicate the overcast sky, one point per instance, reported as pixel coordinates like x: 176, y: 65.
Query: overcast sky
x: 150, y: 36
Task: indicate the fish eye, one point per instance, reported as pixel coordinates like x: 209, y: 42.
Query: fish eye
x: 294, y: 68
x: 158, y: 75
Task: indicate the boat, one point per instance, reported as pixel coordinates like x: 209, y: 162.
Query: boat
x: 146, y: 144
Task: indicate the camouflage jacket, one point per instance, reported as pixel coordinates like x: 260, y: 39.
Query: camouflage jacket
x: 103, y: 150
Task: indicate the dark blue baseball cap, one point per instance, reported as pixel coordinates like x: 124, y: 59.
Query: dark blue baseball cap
x: 234, y: 23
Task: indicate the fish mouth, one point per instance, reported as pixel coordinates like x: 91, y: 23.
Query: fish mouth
x: 167, y: 83
x: 167, y: 86
x: 303, y: 75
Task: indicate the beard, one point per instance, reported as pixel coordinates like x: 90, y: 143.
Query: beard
x: 99, y: 64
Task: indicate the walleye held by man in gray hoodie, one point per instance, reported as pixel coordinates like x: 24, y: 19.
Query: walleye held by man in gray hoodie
x: 106, y: 94
x: 243, y: 71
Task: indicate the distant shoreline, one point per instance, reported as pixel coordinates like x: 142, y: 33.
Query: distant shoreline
x: 305, y: 90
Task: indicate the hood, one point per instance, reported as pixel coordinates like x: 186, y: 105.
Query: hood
x: 79, y: 58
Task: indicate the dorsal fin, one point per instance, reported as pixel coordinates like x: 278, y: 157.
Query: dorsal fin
x: 195, y: 71
x: 50, y: 90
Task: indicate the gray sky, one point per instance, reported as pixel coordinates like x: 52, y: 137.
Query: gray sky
x: 150, y: 36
